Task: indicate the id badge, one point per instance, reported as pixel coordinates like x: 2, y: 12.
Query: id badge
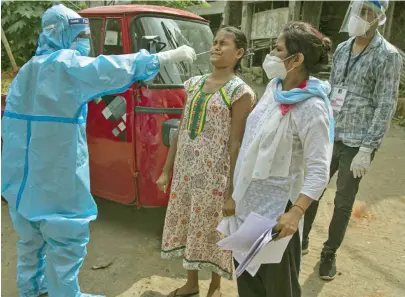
x: 338, y: 98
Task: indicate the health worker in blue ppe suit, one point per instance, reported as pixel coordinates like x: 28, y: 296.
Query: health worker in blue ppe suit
x: 45, y: 162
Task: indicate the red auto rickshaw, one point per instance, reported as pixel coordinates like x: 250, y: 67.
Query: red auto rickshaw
x: 129, y: 133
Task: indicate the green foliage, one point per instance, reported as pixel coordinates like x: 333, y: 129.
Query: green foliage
x: 5, y: 84
x: 400, y: 121
x: 402, y: 91
x: 173, y: 4
x: 21, y: 22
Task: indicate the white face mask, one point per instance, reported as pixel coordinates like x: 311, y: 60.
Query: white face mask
x: 358, y: 27
x: 274, y: 67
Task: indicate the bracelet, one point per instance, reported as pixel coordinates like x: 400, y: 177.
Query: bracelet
x: 303, y: 211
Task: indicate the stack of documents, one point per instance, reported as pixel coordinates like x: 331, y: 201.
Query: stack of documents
x: 252, y: 242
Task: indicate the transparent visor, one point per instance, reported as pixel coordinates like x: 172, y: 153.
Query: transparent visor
x: 369, y: 11
x: 84, y: 34
x: 80, y: 27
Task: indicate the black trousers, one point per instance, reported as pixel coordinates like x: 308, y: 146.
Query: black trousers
x: 275, y: 280
x: 347, y: 188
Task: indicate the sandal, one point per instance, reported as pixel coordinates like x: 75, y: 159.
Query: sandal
x: 174, y: 294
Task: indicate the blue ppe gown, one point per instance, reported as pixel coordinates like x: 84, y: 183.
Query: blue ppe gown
x: 45, y: 161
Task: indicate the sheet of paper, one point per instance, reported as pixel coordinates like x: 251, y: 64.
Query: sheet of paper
x: 252, y: 268
x: 111, y: 37
x: 225, y: 226
x: 251, y: 242
x: 273, y: 252
x: 229, y: 225
x: 253, y: 251
x: 243, y: 239
x: 263, y: 251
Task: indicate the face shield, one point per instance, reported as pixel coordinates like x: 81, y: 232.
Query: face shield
x: 81, y: 30
x: 60, y: 28
x: 361, y: 16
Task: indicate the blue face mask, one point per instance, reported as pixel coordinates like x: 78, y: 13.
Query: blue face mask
x: 82, y: 45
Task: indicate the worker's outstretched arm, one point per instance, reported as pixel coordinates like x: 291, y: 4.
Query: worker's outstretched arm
x: 105, y: 75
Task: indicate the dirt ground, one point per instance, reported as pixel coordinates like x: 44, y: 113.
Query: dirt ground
x: 371, y: 262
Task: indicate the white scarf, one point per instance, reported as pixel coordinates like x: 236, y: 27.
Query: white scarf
x: 269, y: 150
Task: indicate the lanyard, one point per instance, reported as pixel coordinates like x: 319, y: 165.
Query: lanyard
x: 347, y: 69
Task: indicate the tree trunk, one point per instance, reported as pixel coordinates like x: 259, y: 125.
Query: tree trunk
x: 8, y: 50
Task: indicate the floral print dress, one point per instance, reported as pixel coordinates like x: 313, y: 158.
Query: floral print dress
x: 201, y: 177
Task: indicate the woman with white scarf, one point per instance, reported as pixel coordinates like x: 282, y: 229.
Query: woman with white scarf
x: 283, y: 164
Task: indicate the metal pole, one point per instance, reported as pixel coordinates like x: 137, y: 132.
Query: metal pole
x: 8, y: 50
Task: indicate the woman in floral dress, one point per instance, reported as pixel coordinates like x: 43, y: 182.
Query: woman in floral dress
x: 203, y: 155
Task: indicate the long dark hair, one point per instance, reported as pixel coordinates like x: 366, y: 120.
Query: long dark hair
x: 303, y: 38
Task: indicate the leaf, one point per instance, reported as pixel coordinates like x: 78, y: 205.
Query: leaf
x: 26, y: 11
x: 205, y: 4
x: 20, y: 45
x: 16, y: 27
x: 38, y: 12
x: 33, y: 41
x: 103, y: 266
